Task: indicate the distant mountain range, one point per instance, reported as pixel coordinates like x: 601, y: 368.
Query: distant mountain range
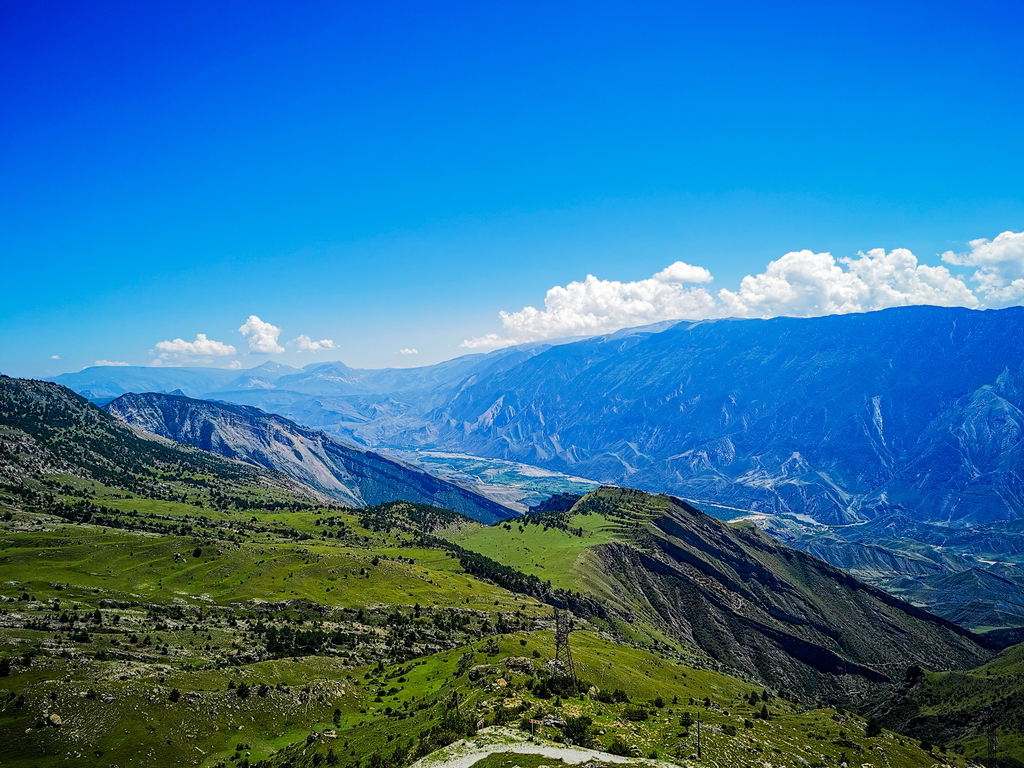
x: 914, y: 410
x: 825, y: 428
x: 351, y: 475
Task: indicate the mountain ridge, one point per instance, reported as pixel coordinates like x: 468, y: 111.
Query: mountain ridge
x: 755, y: 605
x: 353, y: 476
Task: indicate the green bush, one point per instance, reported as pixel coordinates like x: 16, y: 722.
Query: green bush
x: 635, y: 713
x: 577, y: 730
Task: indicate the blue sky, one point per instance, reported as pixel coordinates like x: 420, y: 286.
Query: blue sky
x: 392, y: 176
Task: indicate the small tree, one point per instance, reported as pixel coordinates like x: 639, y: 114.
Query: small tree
x: 175, y: 695
x: 872, y: 728
x: 577, y: 729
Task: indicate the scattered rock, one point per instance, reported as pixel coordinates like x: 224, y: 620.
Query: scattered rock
x: 482, y: 670
x: 521, y: 663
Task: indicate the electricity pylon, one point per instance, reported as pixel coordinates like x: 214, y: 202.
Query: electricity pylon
x: 563, y: 654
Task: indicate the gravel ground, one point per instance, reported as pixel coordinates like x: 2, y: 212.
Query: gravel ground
x: 462, y: 754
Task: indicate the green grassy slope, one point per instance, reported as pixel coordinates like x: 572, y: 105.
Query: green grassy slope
x: 961, y: 708
x: 680, y: 579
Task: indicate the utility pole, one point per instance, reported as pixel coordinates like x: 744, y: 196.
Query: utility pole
x: 563, y: 654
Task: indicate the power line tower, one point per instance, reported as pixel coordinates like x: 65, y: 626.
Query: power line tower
x: 563, y: 654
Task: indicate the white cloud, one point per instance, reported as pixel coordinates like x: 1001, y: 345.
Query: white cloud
x: 408, y: 351
x: 162, y: 362
x: 109, y: 362
x: 235, y: 365
x: 1000, y: 262
x: 201, y: 346
x: 805, y: 284
x: 262, y: 337
x: 487, y: 341
x: 55, y: 357
x: 800, y: 283
x: 600, y: 306
x: 306, y: 344
x: 681, y: 272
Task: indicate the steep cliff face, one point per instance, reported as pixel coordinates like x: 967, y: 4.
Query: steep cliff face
x: 841, y: 418
x: 352, y: 476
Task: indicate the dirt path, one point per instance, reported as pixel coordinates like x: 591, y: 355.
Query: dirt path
x: 463, y: 754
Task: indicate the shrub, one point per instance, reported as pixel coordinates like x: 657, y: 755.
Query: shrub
x: 619, y: 747
x: 634, y: 713
x: 872, y: 728
x: 577, y: 729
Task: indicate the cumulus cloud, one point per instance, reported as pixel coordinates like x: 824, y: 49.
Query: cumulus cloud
x: 163, y: 362
x: 235, y: 365
x: 681, y: 272
x: 599, y: 306
x: 1000, y: 262
x: 804, y: 284
x: 305, y: 344
x: 201, y: 346
x: 262, y: 337
x: 109, y: 362
x: 408, y: 351
x: 487, y: 341
x: 800, y: 284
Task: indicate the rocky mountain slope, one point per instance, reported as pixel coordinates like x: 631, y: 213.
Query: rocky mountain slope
x: 914, y: 410
x: 46, y: 429
x: 973, y: 576
x: 756, y: 606
x: 343, y: 472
